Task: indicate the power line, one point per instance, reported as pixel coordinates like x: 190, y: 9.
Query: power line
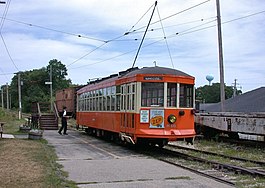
x: 187, y: 31
x: 1, y: 27
x: 8, y: 53
x: 144, y: 35
x: 175, y: 14
x: 4, y: 15
x: 126, y: 33
x: 140, y: 19
x: 111, y: 40
x: 55, y: 30
x: 169, y: 53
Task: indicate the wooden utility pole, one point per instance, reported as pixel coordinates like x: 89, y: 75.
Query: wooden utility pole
x: 19, y: 96
x: 51, y: 86
x: 2, y: 94
x: 7, y: 97
x: 221, y: 65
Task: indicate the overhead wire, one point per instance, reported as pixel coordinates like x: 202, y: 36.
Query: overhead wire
x: 144, y: 34
x: 169, y: 53
x: 188, y: 31
x: 4, y: 15
x: 117, y: 38
x: 159, y: 28
x: 1, y: 27
x: 113, y: 39
x: 105, y: 41
x: 133, y: 27
x: 140, y: 18
x: 55, y: 30
x: 194, y: 6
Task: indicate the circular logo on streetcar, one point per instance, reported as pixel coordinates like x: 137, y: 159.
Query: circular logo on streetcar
x: 156, y: 120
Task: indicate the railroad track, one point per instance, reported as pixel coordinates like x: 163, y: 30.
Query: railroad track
x: 222, y: 172
x: 261, y: 163
x: 220, y: 165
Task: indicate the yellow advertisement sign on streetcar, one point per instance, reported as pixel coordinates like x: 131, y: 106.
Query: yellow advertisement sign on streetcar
x: 156, y: 118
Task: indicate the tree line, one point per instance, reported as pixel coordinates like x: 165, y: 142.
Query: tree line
x: 34, y: 88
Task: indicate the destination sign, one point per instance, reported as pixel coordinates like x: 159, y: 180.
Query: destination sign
x: 153, y: 78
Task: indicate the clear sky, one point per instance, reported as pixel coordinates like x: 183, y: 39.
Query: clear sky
x: 97, y: 38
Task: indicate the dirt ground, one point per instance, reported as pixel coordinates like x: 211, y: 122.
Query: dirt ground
x: 18, y: 163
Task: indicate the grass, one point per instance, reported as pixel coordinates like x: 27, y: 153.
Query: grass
x: 28, y: 163
x: 242, y: 181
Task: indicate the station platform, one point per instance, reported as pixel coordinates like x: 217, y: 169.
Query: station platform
x: 94, y: 163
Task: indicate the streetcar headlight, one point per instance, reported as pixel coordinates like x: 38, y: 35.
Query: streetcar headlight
x: 171, y: 119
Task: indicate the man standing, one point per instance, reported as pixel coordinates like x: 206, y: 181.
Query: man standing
x: 64, y: 123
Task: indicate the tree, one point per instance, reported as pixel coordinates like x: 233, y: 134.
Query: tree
x: 34, y: 88
x: 211, y: 94
x: 59, y: 73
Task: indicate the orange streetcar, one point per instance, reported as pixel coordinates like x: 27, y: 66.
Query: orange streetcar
x: 151, y: 105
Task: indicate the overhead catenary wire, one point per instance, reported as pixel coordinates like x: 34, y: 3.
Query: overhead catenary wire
x: 177, y: 34
x: 55, y: 30
x: 144, y: 35
x: 182, y: 11
x: 191, y: 31
x: 139, y: 19
x: 8, y: 52
x: 1, y: 27
x: 4, y: 15
x: 133, y: 27
x: 105, y: 41
x: 111, y: 40
x: 164, y: 33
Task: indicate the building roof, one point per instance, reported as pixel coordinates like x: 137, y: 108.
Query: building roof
x: 252, y: 101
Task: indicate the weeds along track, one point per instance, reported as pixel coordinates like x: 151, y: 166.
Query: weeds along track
x: 226, y: 169
x: 172, y: 147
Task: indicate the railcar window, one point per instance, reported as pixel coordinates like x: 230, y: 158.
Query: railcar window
x: 100, y: 100
x: 118, y: 97
x: 171, y: 94
x: 152, y: 94
x: 86, y: 103
x: 186, y: 96
x: 108, y: 99
x: 108, y: 103
x: 113, y: 98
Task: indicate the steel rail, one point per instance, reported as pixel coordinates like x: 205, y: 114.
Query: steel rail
x: 218, y: 165
x: 218, y: 154
x: 199, y: 172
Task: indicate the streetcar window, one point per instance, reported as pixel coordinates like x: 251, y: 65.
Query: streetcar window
x: 186, y: 96
x: 118, y: 97
x: 152, y: 94
x: 108, y: 103
x: 104, y: 102
x: 86, y: 104
x: 172, y: 94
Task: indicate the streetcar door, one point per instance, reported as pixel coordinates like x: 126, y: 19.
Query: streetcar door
x: 128, y: 94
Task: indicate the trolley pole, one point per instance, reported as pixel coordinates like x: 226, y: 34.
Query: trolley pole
x: 221, y: 66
